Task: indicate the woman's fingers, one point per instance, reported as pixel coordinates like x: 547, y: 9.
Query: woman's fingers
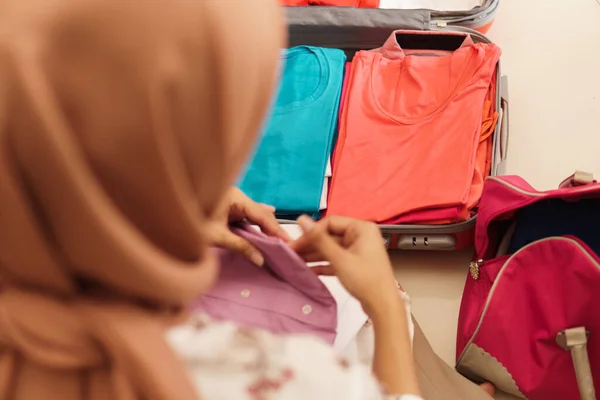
x: 269, y: 208
x: 309, y: 253
x: 342, y: 228
x: 337, y: 225
x: 228, y: 240
x: 323, y: 270
x: 240, y: 207
x: 488, y: 388
x: 263, y: 216
x: 317, y: 235
x: 314, y: 256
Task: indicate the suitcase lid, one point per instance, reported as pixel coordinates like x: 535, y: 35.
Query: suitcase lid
x: 364, y: 28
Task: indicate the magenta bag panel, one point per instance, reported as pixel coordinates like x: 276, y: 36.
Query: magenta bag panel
x: 473, y: 301
x: 540, y: 291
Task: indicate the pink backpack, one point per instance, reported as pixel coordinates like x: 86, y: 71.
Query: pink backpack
x: 530, y: 314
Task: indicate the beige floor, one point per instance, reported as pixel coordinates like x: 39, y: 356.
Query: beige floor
x: 551, y: 54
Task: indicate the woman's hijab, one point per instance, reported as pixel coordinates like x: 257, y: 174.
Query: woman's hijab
x: 122, y: 123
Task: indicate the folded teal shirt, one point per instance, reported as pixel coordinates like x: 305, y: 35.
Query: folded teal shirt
x: 288, y: 168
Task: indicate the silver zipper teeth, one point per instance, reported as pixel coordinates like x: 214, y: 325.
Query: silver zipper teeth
x: 499, y: 276
x: 583, y: 189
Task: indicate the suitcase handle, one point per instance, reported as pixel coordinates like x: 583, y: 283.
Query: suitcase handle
x: 575, y: 341
x: 579, y: 178
x: 502, y: 133
x: 504, y: 130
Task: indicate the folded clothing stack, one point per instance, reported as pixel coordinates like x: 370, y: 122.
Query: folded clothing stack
x: 291, y: 167
x: 415, y: 132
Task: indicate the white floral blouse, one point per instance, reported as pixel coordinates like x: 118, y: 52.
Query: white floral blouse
x: 229, y: 362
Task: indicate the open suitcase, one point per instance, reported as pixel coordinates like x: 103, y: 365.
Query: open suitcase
x: 353, y: 29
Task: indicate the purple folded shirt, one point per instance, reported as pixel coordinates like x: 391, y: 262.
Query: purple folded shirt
x: 283, y: 296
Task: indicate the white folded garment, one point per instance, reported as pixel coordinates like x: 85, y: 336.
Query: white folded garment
x: 351, y: 317
x: 324, y: 193
x: 439, y: 5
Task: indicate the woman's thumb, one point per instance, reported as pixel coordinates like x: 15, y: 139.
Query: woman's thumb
x: 231, y: 241
x: 320, y: 239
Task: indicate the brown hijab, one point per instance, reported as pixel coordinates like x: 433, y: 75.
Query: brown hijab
x: 122, y: 123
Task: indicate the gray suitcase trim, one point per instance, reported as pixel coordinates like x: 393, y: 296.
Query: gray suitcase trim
x: 349, y: 28
x: 475, y: 18
x: 364, y: 28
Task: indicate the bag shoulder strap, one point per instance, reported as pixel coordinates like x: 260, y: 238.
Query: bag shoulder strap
x: 579, y: 178
x: 575, y: 341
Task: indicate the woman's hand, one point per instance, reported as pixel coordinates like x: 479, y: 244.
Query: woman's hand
x: 238, y: 207
x: 357, y: 256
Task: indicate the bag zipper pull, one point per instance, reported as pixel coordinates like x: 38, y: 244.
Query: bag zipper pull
x: 474, y: 267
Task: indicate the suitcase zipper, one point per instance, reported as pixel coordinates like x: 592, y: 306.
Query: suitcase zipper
x: 582, y: 189
x: 474, y: 267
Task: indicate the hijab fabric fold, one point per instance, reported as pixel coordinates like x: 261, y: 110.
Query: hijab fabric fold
x: 122, y: 124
